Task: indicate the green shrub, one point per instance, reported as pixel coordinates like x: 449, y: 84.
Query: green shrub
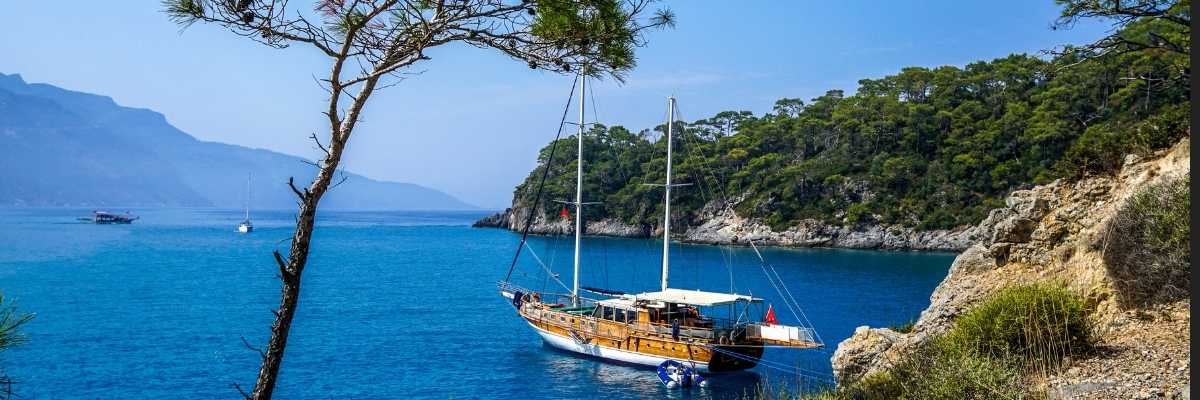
x: 939, y: 370
x: 879, y: 385
x: 990, y: 351
x: 906, y: 327
x: 1147, y: 244
x: 943, y: 369
x: 1035, y: 325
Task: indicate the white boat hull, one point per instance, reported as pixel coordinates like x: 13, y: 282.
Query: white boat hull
x: 244, y: 228
x: 568, y: 344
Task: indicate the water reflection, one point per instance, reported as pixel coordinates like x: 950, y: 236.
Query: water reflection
x: 564, y: 369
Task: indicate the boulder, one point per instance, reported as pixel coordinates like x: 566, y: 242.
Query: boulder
x: 862, y: 353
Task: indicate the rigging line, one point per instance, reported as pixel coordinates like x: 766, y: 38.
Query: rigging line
x: 595, y: 124
x: 797, y: 303
x: 728, y: 207
x: 542, y: 181
x: 689, y: 142
x: 705, y: 190
x: 785, y: 293
x: 544, y: 267
x: 772, y: 281
x: 785, y: 368
x: 775, y: 364
x: 789, y: 292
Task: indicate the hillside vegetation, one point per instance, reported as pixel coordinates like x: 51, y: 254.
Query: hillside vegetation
x: 927, y: 148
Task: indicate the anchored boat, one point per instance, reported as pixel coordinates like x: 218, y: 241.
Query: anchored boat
x: 105, y: 218
x: 707, y: 331
x: 246, y: 226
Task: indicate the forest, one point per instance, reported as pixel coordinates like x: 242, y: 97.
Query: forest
x: 929, y: 148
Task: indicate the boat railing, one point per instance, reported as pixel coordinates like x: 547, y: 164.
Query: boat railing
x: 549, y: 298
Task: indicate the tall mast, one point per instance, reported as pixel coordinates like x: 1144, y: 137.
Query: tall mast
x: 667, y: 198
x: 247, y: 196
x: 579, y: 189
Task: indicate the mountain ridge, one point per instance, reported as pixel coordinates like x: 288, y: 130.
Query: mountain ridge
x: 83, y: 149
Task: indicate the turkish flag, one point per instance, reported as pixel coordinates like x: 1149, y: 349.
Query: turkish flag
x: 564, y: 213
x: 769, y: 319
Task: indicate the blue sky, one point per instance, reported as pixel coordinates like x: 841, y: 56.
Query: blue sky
x: 471, y: 123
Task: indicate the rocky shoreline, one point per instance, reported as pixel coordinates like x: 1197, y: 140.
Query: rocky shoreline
x: 724, y: 227
x: 1056, y: 232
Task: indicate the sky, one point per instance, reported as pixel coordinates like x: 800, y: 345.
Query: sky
x: 471, y: 121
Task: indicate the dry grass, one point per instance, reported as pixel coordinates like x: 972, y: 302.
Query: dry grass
x: 1147, y: 244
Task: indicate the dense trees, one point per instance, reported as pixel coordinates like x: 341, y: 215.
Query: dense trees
x: 927, y: 147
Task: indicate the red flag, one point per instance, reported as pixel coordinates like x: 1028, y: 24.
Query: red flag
x: 564, y: 213
x: 769, y: 319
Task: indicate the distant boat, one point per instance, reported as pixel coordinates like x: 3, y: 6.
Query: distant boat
x: 105, y: 218
x: 246, y: 226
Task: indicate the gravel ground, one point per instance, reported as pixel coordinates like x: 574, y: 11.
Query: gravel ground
x: 1141, y: 354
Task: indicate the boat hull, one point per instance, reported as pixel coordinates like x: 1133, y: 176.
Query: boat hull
x: 607, y: 340
x: 606, y: 353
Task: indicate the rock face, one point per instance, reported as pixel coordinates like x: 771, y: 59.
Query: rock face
x: 1053, y: 232
x: 722, y: 226
x: 515, y: 221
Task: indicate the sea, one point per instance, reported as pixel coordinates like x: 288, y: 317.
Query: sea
x: 393, y: 305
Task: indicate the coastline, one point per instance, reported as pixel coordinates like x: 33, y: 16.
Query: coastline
x: 727, y: 228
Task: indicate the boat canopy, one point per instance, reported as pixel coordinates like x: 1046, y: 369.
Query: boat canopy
x: 693, y: 297
x: 623, y: 304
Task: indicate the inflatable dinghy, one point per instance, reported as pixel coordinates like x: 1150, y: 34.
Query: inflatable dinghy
x: 675, y: 374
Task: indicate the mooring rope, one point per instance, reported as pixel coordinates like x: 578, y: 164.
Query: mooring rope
x: 779, y: 366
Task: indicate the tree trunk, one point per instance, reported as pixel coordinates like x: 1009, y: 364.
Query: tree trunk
x: 291, y: 269
x: 290, y: 273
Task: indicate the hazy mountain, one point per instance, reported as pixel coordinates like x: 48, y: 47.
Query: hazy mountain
x: 64, y: 148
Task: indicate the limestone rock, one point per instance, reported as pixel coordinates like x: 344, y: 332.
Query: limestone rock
x: 1053, y: 232
x: 862, y: 352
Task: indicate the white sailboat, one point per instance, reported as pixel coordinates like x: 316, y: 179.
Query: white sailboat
x: 246, y: 226
x: 654, y: 327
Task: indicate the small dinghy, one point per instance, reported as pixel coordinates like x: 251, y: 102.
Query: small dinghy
x: 675, y: 374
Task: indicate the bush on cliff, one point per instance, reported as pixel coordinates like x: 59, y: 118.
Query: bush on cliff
x: 1147, y: 245
x: 1037, y: 325
x: 991, y: 351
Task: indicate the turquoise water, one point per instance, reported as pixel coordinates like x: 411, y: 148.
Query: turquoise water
x: 394, y: 305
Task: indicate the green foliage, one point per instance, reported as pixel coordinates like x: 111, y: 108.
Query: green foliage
x: 904, y: 327
x: 926, y: 148
x: 602, y: 29
x: 1147, y: 246
x: 10, y: 322
x: 1040, y: 324
x: 943, y: 370
x: 990, y: 353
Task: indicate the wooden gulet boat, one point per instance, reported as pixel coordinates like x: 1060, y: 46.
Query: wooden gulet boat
x: 649, y: 328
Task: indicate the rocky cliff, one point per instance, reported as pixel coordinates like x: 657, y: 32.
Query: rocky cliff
x: 1057, y: 232
x: 720, y: 225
